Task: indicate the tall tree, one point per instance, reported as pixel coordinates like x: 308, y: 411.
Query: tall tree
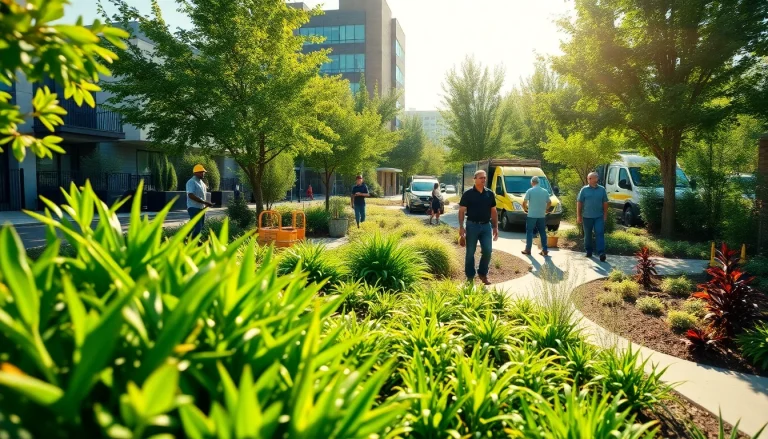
x: 663, y: 69
x: 408, y: 152
x: 34, y: 48
x: 579, y: 153
x: 236, y: 83
x: 432, y: 160
x: 474, y: 112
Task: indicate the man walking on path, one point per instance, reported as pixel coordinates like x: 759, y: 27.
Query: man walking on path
x: 359, y: 193
x: 536, y: 203
x: 196, y: 190
x: 592, y: 211
x: 479, y: 204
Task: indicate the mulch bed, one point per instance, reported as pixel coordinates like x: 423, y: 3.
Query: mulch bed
x: 672, y: 423
x: 504, y: 266
x: 652, y: 331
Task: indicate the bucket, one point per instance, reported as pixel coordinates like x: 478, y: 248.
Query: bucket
x: 551, y: 242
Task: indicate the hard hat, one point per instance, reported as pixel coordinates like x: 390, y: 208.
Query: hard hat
x: 198, y: 168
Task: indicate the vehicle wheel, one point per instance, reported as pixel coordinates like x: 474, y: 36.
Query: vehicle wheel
x: 554, y: 228
x: 408, y: 207
x: 504, y: 221
x: 628, y: 217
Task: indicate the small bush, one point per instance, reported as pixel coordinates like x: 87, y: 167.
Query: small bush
x: 758, y: 267
x: 650, y: 305
x: 677, y: 286
x: 338, y: 207
x: 636, y: 231
x: 681, y: 321
x: 438, y: 255
x: 695, y: 307
x: 381, y: 259
x: 626, y: 375
x: 239, y: 213
x: 314, y: 261
x: 609, y: 298
x: 627, y: 289
x: 617, y: 276
x: 317, y: 220
x: 754, y: 344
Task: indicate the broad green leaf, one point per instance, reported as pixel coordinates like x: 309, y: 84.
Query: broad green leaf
x: 196, y: 424
x: 39, y: 391
x: 248, y: 415
x: 19, y: 278
x: 76, y: 313
x: 160, y: 390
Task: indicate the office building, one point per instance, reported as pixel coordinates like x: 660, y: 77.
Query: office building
x: 434, y: 125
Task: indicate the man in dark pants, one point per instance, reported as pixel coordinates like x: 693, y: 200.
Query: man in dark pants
x: 196, y: 190
x: 359, y: 194
x: 479, y: 204
x: 592, y: 211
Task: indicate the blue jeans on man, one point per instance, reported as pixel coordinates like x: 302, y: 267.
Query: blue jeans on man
x: 198, y: 228
x: 598, y: 226
x: 359, y: 213
x: 482, y: 233
x: 535, y: 223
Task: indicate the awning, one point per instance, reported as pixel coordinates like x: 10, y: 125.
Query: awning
x: 389, y: 170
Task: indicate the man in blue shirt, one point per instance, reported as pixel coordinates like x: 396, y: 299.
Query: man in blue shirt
x: 592, y: 211
x: 359, y: 193
x: 536, y: 203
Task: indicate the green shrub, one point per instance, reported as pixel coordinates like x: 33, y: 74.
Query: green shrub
x: 314, y: 260
x: 338, y: 207
x: 439, y: 256
x: 758, y: 267
x: 650, y: 305
x: 185, y: 164
x: 520, y: 307
x: 626, y: 376
x: 637, y: 231
x: 169, y: 339
x: 681, y: 321
x: 617, y: 276
x: 754, y: 344
x: 609, y: 298
x: 677, y: 286
x: 383, y: 305
x: 382, y: 260
x: 317, y: 221
x: 240, y: 214
x: 695, y: 307
x: 627, y: 289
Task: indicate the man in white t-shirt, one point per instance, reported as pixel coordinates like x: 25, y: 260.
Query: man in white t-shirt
x: 196, y: 190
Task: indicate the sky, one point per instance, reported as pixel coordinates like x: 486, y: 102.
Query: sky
x: 439, y: 34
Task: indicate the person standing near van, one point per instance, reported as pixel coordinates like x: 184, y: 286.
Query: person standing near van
x: 359, y: 193
x: 479, y: 204
x: 536, y: 203
x: 592, y: 212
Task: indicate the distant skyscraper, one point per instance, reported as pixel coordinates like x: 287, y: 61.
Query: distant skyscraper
x: 434, y: 125
x: 365, y: 39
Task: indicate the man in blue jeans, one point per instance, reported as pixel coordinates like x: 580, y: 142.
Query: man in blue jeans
x: 196, y: 202
x: 359, y: 194
x: 592, y: 211
x: 479, y: 204
x: 536, y: 203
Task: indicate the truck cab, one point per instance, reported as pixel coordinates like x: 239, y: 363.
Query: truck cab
x: 510, y: 183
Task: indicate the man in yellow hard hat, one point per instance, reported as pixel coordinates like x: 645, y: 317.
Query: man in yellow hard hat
x: 196, y: 190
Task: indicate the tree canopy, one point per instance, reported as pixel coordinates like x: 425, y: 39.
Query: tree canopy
x: 474, y: 115
x: 662, y: 70
x: 235, y: 83
x: 407, y: 154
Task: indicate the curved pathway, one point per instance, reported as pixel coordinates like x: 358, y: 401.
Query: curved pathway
x: 737, y: 396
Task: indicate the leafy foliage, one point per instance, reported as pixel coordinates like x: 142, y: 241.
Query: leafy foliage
x: 410, y: 145
x: 681, y: 321
x: 36, y: 49
x: 163, y: 174
x: 677, y: 286
x: 438, y: 255
x: 695, y: 307
x: 616, y: 275
x: 645, y: 270
x: 382, y: 260
x: 239, y: 213
x: 609, y: 298
x: 732, y: 304
x: 699, y: 339
x: 278, y: 179
x: 624, y: 378
x: 184, y: 165
x: 312, y: 259
x: 650, y: 305
x: 754, y: 344
x: 626, y: 289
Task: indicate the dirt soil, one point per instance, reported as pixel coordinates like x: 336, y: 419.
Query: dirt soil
x: 504, y: 266
x: 676, y: 415
x: 652, y: 331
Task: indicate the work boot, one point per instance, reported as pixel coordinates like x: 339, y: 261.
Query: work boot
x: 484, y: 279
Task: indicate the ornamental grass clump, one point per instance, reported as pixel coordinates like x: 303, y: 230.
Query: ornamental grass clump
x: 681, y: 321
x: 314, y: 260
x: 677, y: 286
x: 627, y: 289
x: 384, y: 261
x: 650, y: 305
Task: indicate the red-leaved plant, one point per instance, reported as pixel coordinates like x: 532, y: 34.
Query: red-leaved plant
x: 701, y: 339
x: 731, y: 302
x: 645, y: 270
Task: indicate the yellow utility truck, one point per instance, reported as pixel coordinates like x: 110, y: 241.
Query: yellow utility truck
x: 509, y: 179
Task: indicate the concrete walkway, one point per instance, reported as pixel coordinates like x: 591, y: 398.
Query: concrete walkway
x: 739, y: 397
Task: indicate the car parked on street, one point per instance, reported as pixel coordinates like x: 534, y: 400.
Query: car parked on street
x: 418, y: 194
x: 450, y: 189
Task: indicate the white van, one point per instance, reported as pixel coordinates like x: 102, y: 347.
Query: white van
x: 418, y: 194
x: 627, y: 178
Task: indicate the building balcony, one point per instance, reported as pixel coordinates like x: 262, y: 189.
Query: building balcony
x: 83, y: 123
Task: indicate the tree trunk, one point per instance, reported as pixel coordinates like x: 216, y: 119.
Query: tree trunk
x: 259, y: 174
x: 250, y: 172
x: 668, y: 165
x: 327, y: 190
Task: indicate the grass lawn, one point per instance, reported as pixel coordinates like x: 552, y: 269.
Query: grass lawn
x: 630, y: 241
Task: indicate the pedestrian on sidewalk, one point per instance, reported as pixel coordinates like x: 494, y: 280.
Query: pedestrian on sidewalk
x: 359, y: 194
x: 592, y: 212
x: 479, y: 205
x: 196, y: 203
x: 536, y: 203
x: 310, y: 195
x: 436, y: 204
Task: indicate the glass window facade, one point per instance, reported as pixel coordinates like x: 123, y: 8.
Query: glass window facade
x: 351, y: 33
x: 399, y: 77
x: 355, y: 87
x: 399, y: 49
x: 344, y: 64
